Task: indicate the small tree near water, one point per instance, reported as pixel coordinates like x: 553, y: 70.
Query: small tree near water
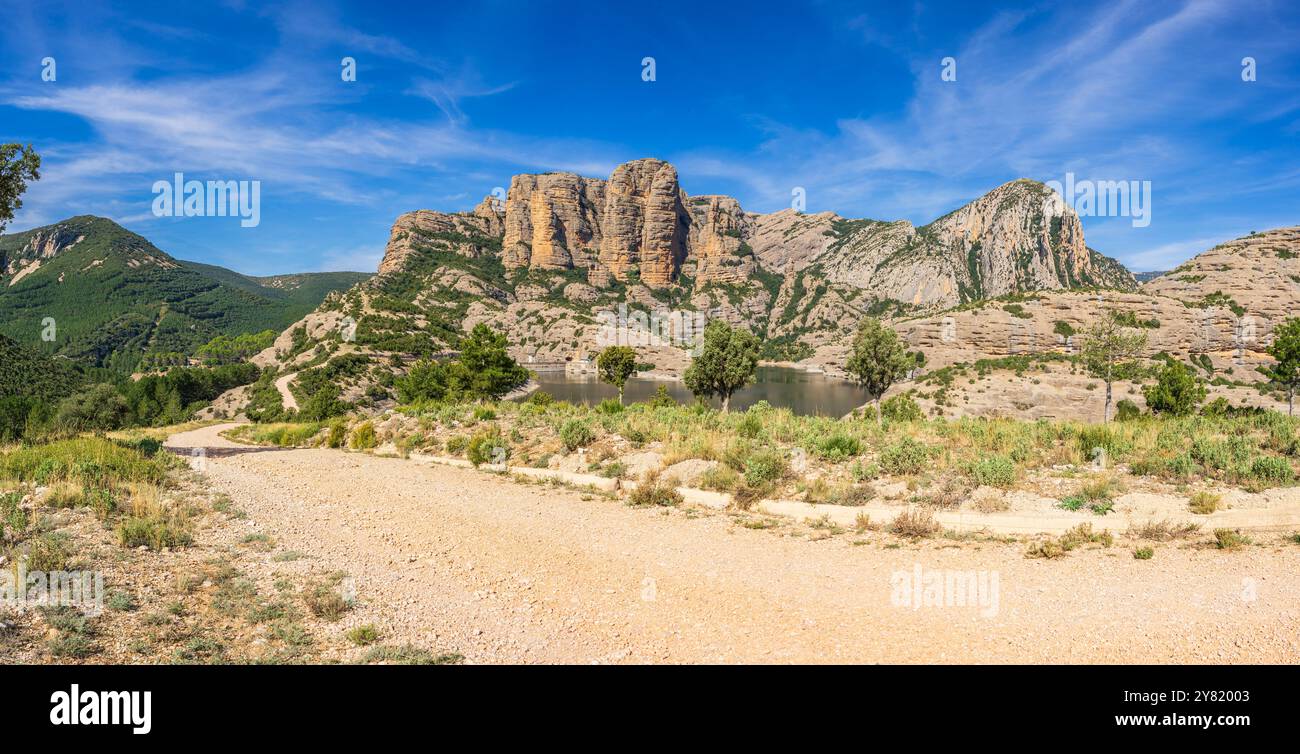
x: 727, y: 362
x: 877, y: 360
x: 615, y: 365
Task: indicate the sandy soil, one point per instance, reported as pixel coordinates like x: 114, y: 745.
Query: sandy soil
x: 460, y: 560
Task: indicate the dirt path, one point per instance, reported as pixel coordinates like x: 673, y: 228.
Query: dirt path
x: 286, y: 396
x: 456, y: 559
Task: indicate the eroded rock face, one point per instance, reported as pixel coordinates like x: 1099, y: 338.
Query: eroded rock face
x: 1259, y: 274
x: 718, y: 227
x: 552, y: 221
x: 644, y: 222
x: 43, y: 244
x: 464, y: 233
x: 634, y: 222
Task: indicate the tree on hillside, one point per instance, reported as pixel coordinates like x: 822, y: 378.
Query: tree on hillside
x: 486, y: 368
x: 877, y: 359
x: 18, y: 165
x: 426, y: 382
x: 726, y: 362
x: 615, y: 365
x: 1176, y: 391
x: 1285, y: 349
x: 99, y: 409
x: 1109, y: 353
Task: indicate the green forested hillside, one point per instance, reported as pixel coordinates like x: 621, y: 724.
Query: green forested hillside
x: 28, y: 374
x: 113, y: 297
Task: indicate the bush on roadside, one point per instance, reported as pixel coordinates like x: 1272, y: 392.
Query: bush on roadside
x: 575, y: 434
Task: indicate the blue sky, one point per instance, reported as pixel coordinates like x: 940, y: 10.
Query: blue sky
x: 843, y: 99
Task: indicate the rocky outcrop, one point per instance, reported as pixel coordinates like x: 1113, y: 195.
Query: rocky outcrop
x: 552, y: 221
x: 43, y: 244
x: 468, y: 234
x: 718, y: 227
x: 644, y: 223
x: 1258, y: 275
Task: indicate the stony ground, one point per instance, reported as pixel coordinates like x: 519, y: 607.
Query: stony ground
x: 457, y: 560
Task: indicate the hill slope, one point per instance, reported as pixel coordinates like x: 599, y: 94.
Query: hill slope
x: 29, y: 374
x: 114, y: 297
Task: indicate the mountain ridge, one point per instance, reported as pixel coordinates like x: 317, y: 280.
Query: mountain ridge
x: 114, y: 297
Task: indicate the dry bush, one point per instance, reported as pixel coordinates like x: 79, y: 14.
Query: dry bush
x: 1163, y: 531
x: 915, y: 522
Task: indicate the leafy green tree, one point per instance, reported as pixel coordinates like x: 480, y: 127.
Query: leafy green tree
x: 1285, y: 349
x: 488, y: 371
x: 427, y: 382
x: 98, y: 409
x: 1176, y: 391
x: 877, y: 359
x: 615, y: 364
x: 727, y: 361
x: 1110, y: 351
x: 18, y: 165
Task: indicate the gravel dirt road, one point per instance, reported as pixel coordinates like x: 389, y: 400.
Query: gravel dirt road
x: 459, y: 560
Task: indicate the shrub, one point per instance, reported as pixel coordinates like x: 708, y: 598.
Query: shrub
x: 456, y: 444
x: 1127, y: 410
x: 865, y: 473
x: 915, y: 522
x: 765, y: 467
x: 836, y: 448
x: 338, y: 433
x: 1143, y: 553
x: 720, y: 477
x: 995, y: 471
x: 575, y: 434
x: 609, y: 406
x: 1163, y: 531
x: 540, y: 398
x: 325, y: 601
x: 1079, y: 535
x: 364, y: 437
x: 409, y: 655
x: 1229, y: 539
x: 901, y: 408
x: 653, y: 491
x: 1204, y: 503
x: 48, y: 552
x: 100, y: 408
x: 662, y: 398
x: 907, y: 456
x: 750, y: 425
x: 487, y: 446
x: 1177, y: 391
x: 363, y: 635
x: 1271, y: 469
x: 948, y: 493
x: 1093, y: 437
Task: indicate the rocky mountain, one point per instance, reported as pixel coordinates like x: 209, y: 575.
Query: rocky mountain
x: 113, y: 297
x: 996, y: 294
x: 563, y: 253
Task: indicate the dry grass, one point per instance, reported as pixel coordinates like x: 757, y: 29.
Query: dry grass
x: 1204, y: 503
x: 1075, y: 537
x: 1163, y: 531
x: 915, y: 523
x: 947, y: 493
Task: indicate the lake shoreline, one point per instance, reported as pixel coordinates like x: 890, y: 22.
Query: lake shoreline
x: 805, y: 391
